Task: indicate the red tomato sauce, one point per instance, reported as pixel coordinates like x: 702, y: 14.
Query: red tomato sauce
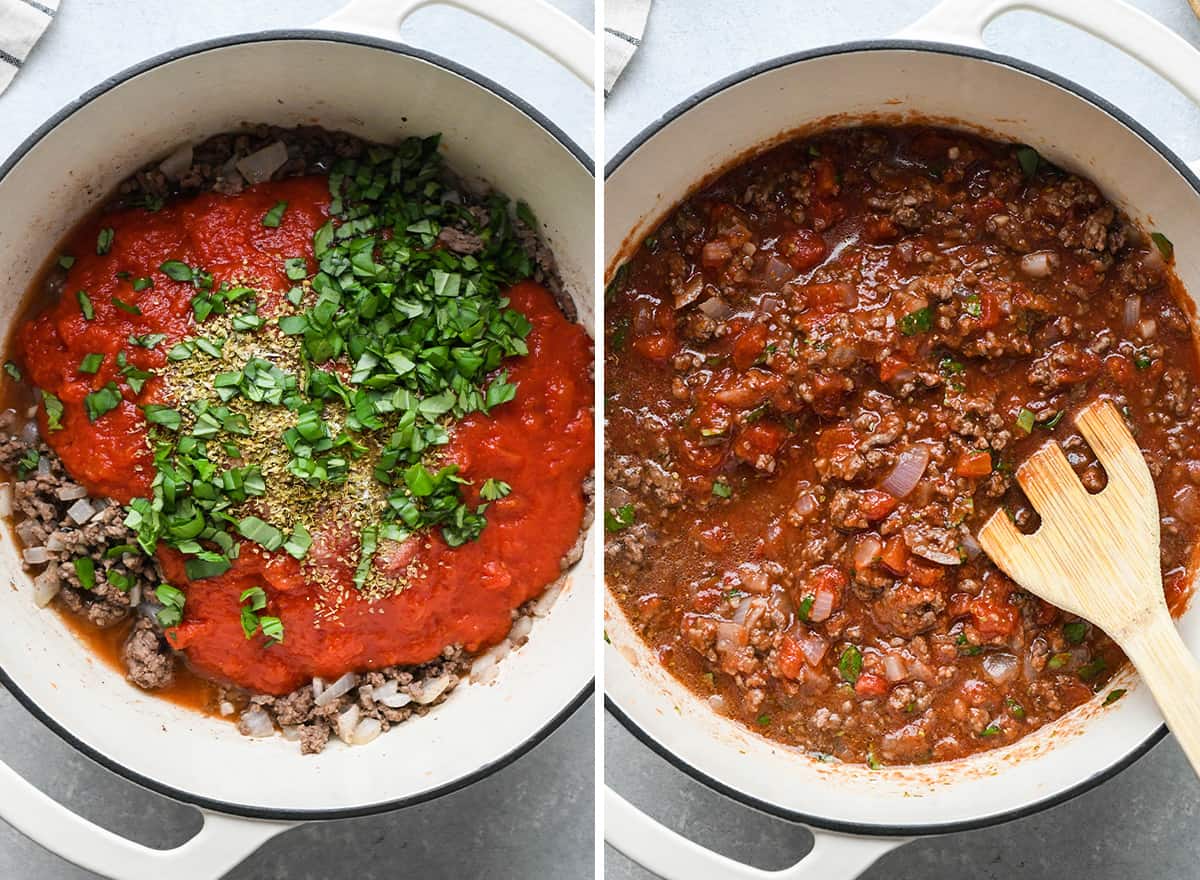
x: 541, y: 444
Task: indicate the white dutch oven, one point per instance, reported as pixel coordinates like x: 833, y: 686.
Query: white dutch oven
x: 250, y: 789
x: 940, y: 69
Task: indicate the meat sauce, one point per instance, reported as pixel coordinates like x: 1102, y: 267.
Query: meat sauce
x: 540, y: 444
x: 821, y: 371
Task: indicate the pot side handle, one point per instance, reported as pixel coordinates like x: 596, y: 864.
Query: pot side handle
x: 674, y: 857
x: 1132, y: 31
x: 534, y: 21
x: 222, y: 843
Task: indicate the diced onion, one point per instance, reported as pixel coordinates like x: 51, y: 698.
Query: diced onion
x: 805, y: 506
x: 29, y: 433
x: 81, y: 511
x: 894, y: 668
x: 715, y: 252
x: 813, y: 647
x: 367, y: 730
x: 71, y: 492
x: 257, y: 723
x: 259, y: 166
x: 907, y: 472
x: 45, y: 587
x: 520, y: 629
x: 1000, y: 668
x: 717, y: 703
x: 1147, y: 328
x: 730, y: 636
x: 822, y: 605
x: 691, y: 292
x: 866, y: 552
x: 291, y: 732
x: 971, y: 546
x: 43, y: 467
x: 1132, y: 312
x: 318, y: 685
x: 35, y: 555
x: 55, y: 542
x: 431, y: 690
x: 342, y: 686
x: 1038, y: 264
x: 716, y: 308
x: 920, y: 670
x: 178, y: 163
x: 27, y: 531
x: 347, y: 722
x: 6, y: 499
x: 225, y: 707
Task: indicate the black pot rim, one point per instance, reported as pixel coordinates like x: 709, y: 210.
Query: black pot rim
x: 216, y: 804
x: 894, y: 829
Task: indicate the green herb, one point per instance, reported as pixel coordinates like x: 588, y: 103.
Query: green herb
x: 274, y: 216
x: 525, y: 215
x: 619, y: 518
x: 1142, y: 360
x: 104, y: 241
x: 120, y: 580
x: 1113, y: 696
x: 163, y: 416
x: 260, y: 532
x: 1025, y: 421
x: 85, y: 305
x: 148, y: 340
x: 764, y: 720
x: 721, y: 489
x: 140, y: 284
x: 54, y: 411
x: 493, y: 490
x: 806, y: 605
x: 91, y: 363
x: 176, y: 270
x: 1164, y: 245
x: 65, y: 261
x: 134, y: 376
x: 1030, y: 161
x: 872, y: 761
x: 850, y: 664
x: 1015, y: 709
x: 181, y: 351
x: 992, y: 729
x: 1075, y: 632
x: 85, y: 570
x: 1090, y: 670
x: 299, y: 543
x: 29, y: 461
x: 296, y: 268
x: 13, y: 371
x: 972, y: 306
x: 172, y: 600
x: 916, y: 322
x: 119, y: 550
x: 965, y: 648
x: 272, y: 628
x: 100, y: 402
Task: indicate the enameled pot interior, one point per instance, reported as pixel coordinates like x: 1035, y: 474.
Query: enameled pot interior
x: 381, y: 94
x: 891, y: 83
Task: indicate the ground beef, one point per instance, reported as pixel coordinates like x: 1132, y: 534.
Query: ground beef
x: 147, y: 656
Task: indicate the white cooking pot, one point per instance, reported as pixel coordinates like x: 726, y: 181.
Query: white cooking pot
x: 252, y: 789
x: 941, y: 70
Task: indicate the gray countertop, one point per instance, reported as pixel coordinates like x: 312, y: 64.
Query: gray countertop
x: 1140, y: 824
x: 532, y: 819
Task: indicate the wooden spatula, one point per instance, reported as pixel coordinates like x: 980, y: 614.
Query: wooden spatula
x: 1097, y: 556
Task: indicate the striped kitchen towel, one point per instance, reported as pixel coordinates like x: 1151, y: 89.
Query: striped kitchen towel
x: 22, y: 23
x: 624, y: 24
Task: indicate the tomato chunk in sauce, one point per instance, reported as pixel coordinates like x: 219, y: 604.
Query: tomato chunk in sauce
x: 821, y: 371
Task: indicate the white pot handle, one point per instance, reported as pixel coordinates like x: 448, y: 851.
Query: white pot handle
x: 536, y: 22
x: 221, y: 843
x: 674, y: 857
x: 1120, y: 25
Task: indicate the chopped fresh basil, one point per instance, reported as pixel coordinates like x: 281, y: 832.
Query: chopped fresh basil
x: 764, y: 720
x: 260, y: 532
x: 1015, y: 709
x: 1142, y: 360
x: 172, y: 600
x: 1113, y: 696
x: 91, y: 363
x: 1075, y: 632
x: 916, y: 322
x: 126, y: 307
x: 122, y: 581
x: 805, y: 609
x: 721, y: 489
x: 164, y: 416
x: 274, y: 216
x: 65, y: 261
x: 104, y: 241
x: 992, y: 729
x: 973, y: 306
x: 85, y: 570
x: 619, y: 518
x: 85, y: 305
x: 140, y: 284
x: 850, y: 664
x: 296, y: 268
x: 148, y: 340
x: 1090, y: 670
x: 54, y: 411
x: 1164, y: 245
x: 100, y: 402
x: 1025, y: 421
x: 493, y: 490
x: 1051, y: 423
x: 1030, y: 161
x: 299, y: 543
x: 176, y: 270
x: 13, y: 371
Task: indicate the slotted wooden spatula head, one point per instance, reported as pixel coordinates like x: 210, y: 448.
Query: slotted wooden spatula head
x: 1096, y: 555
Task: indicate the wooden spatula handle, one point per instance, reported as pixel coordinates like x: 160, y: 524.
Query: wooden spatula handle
x: 1168, y: 667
